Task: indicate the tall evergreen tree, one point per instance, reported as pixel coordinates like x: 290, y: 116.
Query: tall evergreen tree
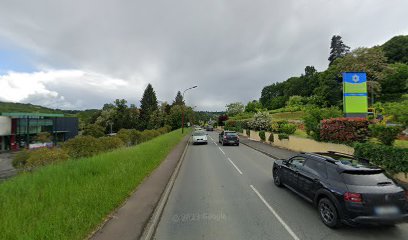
x: 148, y: 105
x: 179, y: 99
x: 337, y: 49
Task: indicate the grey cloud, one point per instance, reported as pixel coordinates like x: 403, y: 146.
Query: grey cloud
x: 230, y: 48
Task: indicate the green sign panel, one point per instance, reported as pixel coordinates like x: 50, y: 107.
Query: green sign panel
x: 355, y: 93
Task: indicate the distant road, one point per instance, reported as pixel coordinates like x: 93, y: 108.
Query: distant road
x: 228, y: 193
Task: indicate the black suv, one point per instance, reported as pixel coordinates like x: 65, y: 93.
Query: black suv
x: 343, y: 188
x: 228, y: 137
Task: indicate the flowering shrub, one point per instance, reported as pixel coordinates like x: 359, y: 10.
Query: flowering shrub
x: 261, y: 121
x: 344, y: 130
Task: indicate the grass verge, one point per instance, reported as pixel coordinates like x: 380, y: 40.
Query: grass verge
x: 288, y: 115
x: 68, y: 200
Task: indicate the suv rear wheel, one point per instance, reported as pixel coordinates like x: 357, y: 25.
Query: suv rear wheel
x: 328, y: 213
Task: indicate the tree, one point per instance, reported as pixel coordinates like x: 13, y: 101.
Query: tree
x: 221, y: 119
x: 179, y: 99
x: 398, y: 110
x: 94, y: 130
x: 234, y: 108
x: 396, y: 49
x: 174, y: 118
x: 295, y: 101
x: 148, y: 106
x: 395, y: 82
x: 105, y: 118
x: 369, y: 60
x: 269, y: 95
x: 253, y: 106
x: 337, y: 49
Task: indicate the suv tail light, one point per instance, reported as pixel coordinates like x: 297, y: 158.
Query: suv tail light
x: 225, y: 136
x: 353, y: 197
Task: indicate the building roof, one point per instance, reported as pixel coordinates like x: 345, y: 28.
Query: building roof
x: 20, y: 114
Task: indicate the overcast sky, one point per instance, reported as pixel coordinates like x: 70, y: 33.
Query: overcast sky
x: 79, y: 54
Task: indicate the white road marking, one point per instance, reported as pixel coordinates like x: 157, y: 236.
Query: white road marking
x: 211, y: 138
x: 215, y: 144
x: 235, y: 166
x: 221, y: 151
x: 276, y: 215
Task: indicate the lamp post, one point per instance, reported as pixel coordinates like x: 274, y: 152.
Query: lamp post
x: 182, y: 118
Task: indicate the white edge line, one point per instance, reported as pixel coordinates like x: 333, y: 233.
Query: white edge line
x: 275, y: 214
x: 235, y: 166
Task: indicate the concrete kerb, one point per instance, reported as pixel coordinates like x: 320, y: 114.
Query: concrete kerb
x: 151, y: 226
x: 259, y: 150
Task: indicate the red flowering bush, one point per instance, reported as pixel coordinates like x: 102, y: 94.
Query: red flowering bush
x: 344, y: 130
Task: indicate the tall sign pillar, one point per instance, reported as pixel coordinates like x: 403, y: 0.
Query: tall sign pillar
x: 355, y: 102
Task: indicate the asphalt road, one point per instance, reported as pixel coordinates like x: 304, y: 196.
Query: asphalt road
x: 228, y: 193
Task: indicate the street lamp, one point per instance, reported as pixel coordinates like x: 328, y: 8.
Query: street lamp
x: 182, y: 118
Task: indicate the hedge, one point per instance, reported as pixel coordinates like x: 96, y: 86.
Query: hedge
x: 84, y: 146
x: 283, y: 126
x: 45, y: 156
x: 236, y: 125
x: 392, y: 159
x: 262, y: 135
x: 386, y: 134
x: 344, y: 130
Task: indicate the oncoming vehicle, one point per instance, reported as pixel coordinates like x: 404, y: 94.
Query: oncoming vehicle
x: 344, y: 189
x: 198, y: 129
x: 199, y: 137
x: 229, y: 138
x: 209, y: 128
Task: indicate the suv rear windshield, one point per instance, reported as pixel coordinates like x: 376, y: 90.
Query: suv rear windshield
x: 231, y: 133
x: 199, y: 134
x: 366, y: 179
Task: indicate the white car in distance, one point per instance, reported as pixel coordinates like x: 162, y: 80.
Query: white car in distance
x: 200, y: 137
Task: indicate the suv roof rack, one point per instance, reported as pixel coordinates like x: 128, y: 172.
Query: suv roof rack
x: 340, y: 153
x: 318, y: 155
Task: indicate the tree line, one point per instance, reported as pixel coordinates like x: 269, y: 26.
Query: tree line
x: 151, y: 115
x: 386, y: 67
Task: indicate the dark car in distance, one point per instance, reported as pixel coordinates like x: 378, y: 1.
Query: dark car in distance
x: 343, y: 188
x: 228, y: 138
x: 209, y: 128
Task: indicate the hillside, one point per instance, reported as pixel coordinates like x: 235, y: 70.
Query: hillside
x: 84, y: 115
x: 25, y: 107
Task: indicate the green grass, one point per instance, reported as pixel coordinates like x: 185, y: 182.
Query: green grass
x: 69, y: 200
x: 288, y: 115
x: 301, y: 133
x: 401, y: 143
